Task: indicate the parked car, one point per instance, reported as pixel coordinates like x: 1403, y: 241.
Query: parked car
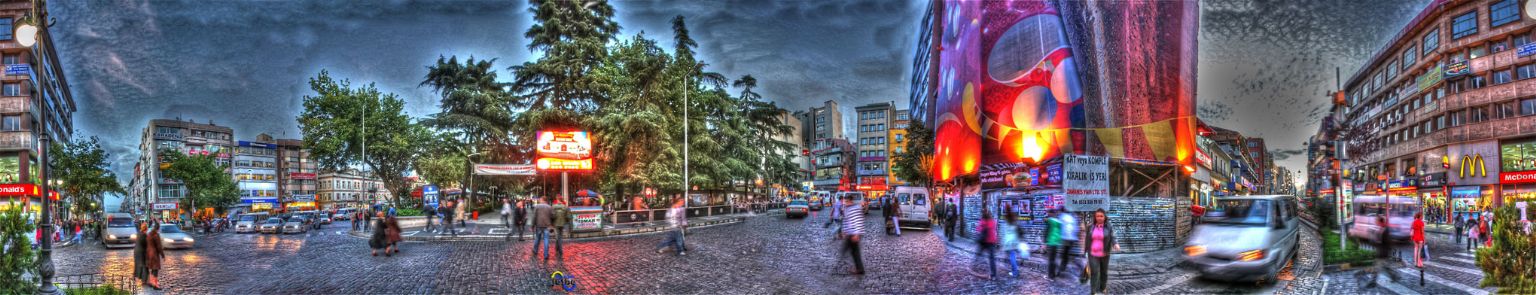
x: 249, y: 222
x: 797, y: 208
x: 273, y: 225
x: 120, y: 232
x: 914, y: 205
x: 296, y: 225
x: 171, y: 237
x: 1245, y: 238
x: 343, y: 214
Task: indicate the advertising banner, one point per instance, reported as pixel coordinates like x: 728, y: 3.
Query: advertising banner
x: 1086, y: 183
x: 957, y: 131
x: 165, y: 206
x: 586, y: 218
x: 1458, y: 68
x: 1031, y: 96
x: 429, y: 195
x: 504, y: 169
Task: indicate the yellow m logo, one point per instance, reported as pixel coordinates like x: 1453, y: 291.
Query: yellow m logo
x: 1476, y: 161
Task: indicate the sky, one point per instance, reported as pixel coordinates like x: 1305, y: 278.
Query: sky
x: 1264, y: 65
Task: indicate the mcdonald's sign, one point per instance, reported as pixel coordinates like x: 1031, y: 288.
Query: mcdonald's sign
x: 1473, y: 164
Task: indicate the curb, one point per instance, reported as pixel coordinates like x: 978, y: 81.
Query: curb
x: 600, y: 235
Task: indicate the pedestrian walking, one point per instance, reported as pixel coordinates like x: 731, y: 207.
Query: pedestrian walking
x: 950, y: 214
x: 1016, y: 249
x: 141, y: 254
x: 542, y: 220
x: 506, y: 213
x: 1384, y: 253
x: 1052, y: 243
x: 852, y: 231
x: 1069, y: 238
x: 1418, y: 240
x: 154, y: 254
x: 561, y: 222
x: 1101, y: 240
x: 677, y: 216
x: 393, y: 230
x: 1459, y: 224
x: 380, y: 238
x: 79, y: 235
x: 986, y: 239
x: 837, y: 212
x: 519, y: 219
x: 431, y: 212
x: 1485, y: 232
x: 892, y: 211
x: 1472, y: 231
x: 368, y: 219
x: 458, y: 213
x: 447, y: 214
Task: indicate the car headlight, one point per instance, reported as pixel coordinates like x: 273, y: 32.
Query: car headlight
x: 1194, y: 250
x: 167, y: 240
x: 1251, y: 255
x: 112, y: 237
x: 133, y: 236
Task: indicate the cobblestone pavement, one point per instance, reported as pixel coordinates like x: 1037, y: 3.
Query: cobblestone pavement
x: 765, y: 254
x: 1306, y: 273
x: 1451, y: 269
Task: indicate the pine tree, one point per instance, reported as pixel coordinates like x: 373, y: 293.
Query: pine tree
x: 1511, y: 260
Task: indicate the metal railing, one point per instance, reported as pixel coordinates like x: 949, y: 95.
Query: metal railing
x: 96, y: 283
x: 626, y: 217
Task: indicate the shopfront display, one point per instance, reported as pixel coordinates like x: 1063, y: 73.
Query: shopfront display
x: 1517, y: 175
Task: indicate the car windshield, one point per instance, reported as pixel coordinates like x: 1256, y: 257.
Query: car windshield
x: 296, y: 219
x: 797, y: 203
x: 248, y: 218
x: 274, y: 220
x: 1248, y: 211
x: 119, y: 222
x: 170, y: 229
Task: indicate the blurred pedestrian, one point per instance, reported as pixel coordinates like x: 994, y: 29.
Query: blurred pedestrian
x: 519, y: 220
x: 986, y: 239
x: 1472, y: 231
x: 141, y: 254
x: 1052, y: 243
x: 380, y: 238
x: 1418, y: 240
x: 1101, y: 240
x: 393, y: 230
x: 506, y: 213
x: 1384, y: 252
x: 892, y: 212
x: 853, y: 231
x: 950, y: 214
x: 446, y: 210
x: 561, y: 222
x: 1459, y: 223
x: 154, y: 253
x: 542, y: 220
x: 368, y: 219
x: 677, y: 216
x: 1069, y: 236
x: 1010, y: 239
x: 1196, y: 212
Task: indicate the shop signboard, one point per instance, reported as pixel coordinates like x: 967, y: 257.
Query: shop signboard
x: 301, y: 175
x: 1526, y: 50
x: 585, y: 218
x: 1475, y: 163
x: 1086, y: 183
x: 1458, y: 68
x: 1518, y: 177
x: 165, y: 206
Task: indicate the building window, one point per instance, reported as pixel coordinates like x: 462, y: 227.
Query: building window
x: 11, y: 89
x: 11, y: 59
x: 1503, y: 12
x: 1464, y: 25
x: 1522, y: 39
x: 1504, y: 110
x: 5, y: 28
x: 1499, y: 45
x: 1432, y: 41
x: 1528, y: 107
x: 1501, y: 77
x: 1525, y: 72
x: 10, y: 123
x: 1409, y: 57
x: 1478, y: 114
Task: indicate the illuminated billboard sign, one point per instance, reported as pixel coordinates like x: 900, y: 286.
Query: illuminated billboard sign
x: 569, y: 145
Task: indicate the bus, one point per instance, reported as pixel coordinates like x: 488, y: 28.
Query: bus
x: 1398, y: 209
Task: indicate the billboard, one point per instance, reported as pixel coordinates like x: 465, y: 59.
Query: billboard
x: 1031, y: 96
x: 563, y: 151
x: 957, y: 131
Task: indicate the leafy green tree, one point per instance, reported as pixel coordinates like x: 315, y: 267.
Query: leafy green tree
x: 207, y: 182
x: 82, y: 167
x: 912, y: 164
x: 1511, y: 260
x: 335, y: 129
x: 636, y: 126
x: 16, y: 256
x: 441, y: 164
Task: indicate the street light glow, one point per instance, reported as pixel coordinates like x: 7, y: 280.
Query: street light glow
x: 26, y: 35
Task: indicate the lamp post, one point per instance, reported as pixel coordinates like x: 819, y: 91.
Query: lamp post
x: 26, y: 36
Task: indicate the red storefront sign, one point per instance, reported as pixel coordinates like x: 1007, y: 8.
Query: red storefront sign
x: 300, y: 175
x: 23, y: 190
x: 1517, y: 177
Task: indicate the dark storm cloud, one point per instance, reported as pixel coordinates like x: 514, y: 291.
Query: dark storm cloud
x: 245, y: 64
x: 1266, y: 66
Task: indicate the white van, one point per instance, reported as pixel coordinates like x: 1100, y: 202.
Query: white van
x: 914, y: 205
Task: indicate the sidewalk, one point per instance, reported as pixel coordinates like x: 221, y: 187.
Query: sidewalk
x: 1121, y: 264
x: 490, y: 227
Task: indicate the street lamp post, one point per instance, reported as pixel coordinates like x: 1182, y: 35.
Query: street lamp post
x: 26, y: 35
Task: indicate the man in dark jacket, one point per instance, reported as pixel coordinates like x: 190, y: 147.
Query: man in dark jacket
x: 519, y: 220
x: 950, y: 213
x: 447, y: 211
x: 542, y: 219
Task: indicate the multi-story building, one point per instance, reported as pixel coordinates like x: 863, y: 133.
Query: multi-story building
x: 255, y: 172
x: 923, y: 70
x: 349, y: 189
x: 874, y: 121
x: 162, y: 195
x: 833, y: 159
x: 296, y: 174
x: 1261, y: 164
x: 35, y: 101
x: 897, y: 134
x: 799, y: 154
x: 1448, y: 100
x: 824, y: 122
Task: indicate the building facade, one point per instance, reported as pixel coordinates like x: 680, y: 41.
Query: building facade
x: 348, y: 189
x: 157, y: 194
x: 897, y: 134
x: 29, y: 109
x: 824, y: 122
x: 1451, y: 92
x: 255, y: 176
x: 799, y: 155
x: 833, y: 159
x: 296, y: 174
x: 873, y: 147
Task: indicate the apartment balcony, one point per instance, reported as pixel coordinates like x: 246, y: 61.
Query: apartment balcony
x: 824, y: 164
x: 871, y: 172
x: 15, y: 104
x: 17, y: 140
x: 829, y: 181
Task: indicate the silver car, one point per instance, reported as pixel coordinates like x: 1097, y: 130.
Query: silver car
x: 295, y: 225
x: 171, y: 237
x: 273, y: 225
x: 1245, y: 238
x: 120, y: 232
